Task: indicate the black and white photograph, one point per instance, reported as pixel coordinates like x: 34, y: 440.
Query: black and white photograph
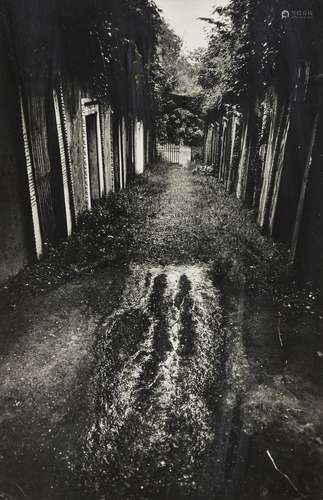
x: 161, y: 249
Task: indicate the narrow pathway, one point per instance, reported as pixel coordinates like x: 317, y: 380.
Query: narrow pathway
x: 171, y: 377
x: 158, y: 380
x: 190, y: 368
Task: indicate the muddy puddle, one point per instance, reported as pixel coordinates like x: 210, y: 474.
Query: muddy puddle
x: 197, y: 396
x: 198, y: 390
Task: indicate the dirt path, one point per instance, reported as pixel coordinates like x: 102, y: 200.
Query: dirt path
x: 172, y: 376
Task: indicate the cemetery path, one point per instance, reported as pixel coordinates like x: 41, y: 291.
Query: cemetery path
x: 173, y: 375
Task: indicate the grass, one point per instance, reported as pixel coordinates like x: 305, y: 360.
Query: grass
x: 103, y: 236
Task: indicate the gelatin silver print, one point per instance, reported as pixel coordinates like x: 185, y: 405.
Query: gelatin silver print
x: 161, y: 250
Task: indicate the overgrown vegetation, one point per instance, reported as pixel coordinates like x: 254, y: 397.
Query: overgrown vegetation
x: 103, y: 236
x: 139, y: 224
x: 251, y: 46
x: 182, y: 124
x: 107, y: 47
x: 262, y: 66
x: 174, y: 73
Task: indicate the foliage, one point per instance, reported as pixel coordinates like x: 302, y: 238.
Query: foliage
x: 89, y: 40
x: 183, y: 125
x: 169, y: 52
x: 174, y: 72
x: 164, y: 74
x: 103, y: 236
x: 109, y: 31
x: 188, y: 67
x: 251, y: 46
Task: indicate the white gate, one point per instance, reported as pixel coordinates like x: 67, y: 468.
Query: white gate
x: 174, y: 153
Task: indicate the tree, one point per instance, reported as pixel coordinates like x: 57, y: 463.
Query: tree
x: 183, y: 125
x: 251, y: 46
x: 188, y: 67
x: 175, y: 73
x: 164, y: 74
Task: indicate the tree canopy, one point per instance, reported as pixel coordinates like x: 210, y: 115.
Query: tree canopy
x: 251, y: 45
x: 175, y: 73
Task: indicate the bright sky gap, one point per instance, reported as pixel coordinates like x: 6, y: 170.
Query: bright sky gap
x: 182, y: 15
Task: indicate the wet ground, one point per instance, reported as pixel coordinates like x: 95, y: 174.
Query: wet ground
x: 177, y: 375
